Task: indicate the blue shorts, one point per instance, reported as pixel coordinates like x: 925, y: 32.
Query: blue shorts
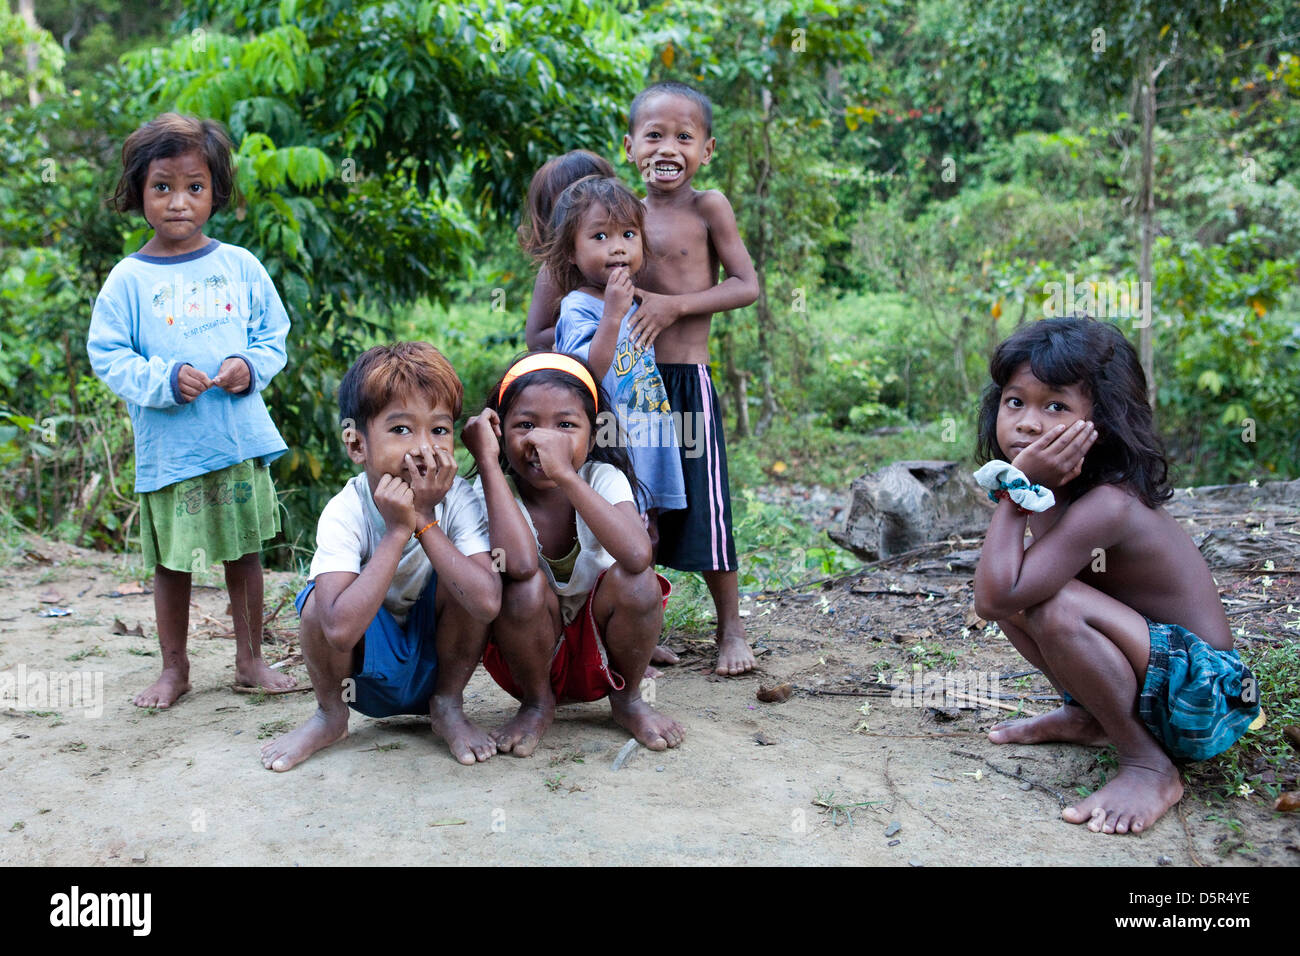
x: 397, y: 666
x: 1196, y: 700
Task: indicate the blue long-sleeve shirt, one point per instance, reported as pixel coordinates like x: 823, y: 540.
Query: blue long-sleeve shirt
x: 156, y: 314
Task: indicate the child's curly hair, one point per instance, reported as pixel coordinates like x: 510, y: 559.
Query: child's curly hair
x: 172, y: 134
x: 619, y: 201
x: 1096, y: 356
x: 556, y: 174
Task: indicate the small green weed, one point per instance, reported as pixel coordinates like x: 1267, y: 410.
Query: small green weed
x: 841, y: 811
x: 273, y: 728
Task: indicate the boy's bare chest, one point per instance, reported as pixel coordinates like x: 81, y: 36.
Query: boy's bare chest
x: 680, y: 257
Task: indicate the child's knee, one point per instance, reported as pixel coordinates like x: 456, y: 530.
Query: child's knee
x: 525, y: 600
x: 311, y: 632
x: 1057, y: 617
x: 636, y: 593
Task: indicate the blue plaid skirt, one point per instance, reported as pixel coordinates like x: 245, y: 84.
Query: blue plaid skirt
x: 1197, y: 700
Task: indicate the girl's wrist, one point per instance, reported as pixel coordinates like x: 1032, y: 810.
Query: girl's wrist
x: 567, y: 478
x: 1004, y: 495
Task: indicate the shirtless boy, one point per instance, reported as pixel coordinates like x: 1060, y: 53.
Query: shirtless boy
x: 689, y: 235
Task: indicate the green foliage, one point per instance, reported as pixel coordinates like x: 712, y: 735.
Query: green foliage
x: 372, y: 140
x: 909, y: 180
x: 16, y: 39
x: 1231, y: 383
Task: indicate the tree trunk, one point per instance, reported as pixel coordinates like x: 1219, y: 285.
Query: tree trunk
x: 1146, y: 207
x: 27, y: 10
x: 766, y: 325
x: 959, y: 354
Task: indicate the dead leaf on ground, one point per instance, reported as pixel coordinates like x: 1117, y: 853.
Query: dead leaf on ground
x: 36, y: 557
x: 1288, y: 801
x: 775, y: 695
x: 50, y: 597
x: 763, y: 740
x: 131, y: 587
x: 973, y: 620
x: 120, y: 628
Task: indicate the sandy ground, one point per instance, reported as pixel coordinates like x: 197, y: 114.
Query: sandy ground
x: 754, y: 782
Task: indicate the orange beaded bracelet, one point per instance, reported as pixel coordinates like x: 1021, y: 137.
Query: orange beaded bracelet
x: 426, y: 527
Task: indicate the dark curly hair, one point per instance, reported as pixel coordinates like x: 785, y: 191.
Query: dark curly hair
x: 1096, y: 356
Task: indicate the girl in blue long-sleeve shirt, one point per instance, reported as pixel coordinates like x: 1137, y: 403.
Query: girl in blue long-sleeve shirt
x: 188, y: 331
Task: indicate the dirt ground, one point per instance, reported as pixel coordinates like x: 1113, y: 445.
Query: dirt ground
x: 844, y: 772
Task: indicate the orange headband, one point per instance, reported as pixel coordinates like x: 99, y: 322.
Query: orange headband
x: 555, y: 361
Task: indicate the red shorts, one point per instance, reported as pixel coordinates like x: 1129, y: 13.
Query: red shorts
x: 580, y: 668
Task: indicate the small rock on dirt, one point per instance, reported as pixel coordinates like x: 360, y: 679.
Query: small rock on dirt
x: 1164, y: 860
x: 623, y: 754
x: 894, y: 827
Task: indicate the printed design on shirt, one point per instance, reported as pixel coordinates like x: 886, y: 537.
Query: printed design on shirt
x: 640, y: 387
x: 195, y: 307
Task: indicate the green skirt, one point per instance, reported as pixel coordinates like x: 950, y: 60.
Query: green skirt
x: 202, y: 521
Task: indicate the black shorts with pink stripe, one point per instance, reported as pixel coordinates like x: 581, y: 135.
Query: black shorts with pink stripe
x: 698, y: 537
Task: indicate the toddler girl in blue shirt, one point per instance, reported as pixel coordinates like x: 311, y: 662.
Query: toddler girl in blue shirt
x: 188, y: 331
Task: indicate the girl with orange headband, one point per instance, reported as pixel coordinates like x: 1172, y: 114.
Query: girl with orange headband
x: 581, y: 604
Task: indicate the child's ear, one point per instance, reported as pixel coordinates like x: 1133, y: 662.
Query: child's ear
x: 627, y: 147
x: 354, y: 441
x: 708, y: 150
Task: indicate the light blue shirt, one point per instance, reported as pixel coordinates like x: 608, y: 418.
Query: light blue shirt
x: 636, y: 388
x: 156, y: 314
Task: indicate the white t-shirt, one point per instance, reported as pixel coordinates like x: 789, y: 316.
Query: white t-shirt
x: 612, y: 485
x: 350, y: 528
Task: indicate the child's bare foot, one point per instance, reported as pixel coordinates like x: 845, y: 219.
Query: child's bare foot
x: 287, y: 751
x: 652, y: 729
x: 165, y: 691
x: 1067, y: 724
x: 734, y: 655
x: 256, y: 673
x: 468, y: 743
x: 1135, y: 799
x: 660, y: 655
x: 524, y: 731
